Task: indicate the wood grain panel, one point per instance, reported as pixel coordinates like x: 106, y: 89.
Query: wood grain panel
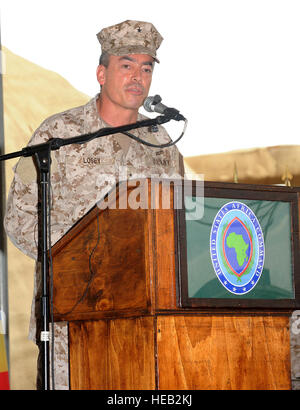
x: 114, y: 354
x: 131, y: 354
x: 223, y: 353
x: 165, y: 251
x: 165, y: 261
x: 93, y: 276
x: 88, y: 355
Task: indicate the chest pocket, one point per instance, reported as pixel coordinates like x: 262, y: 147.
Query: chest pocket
x: 153, y: 162
x: 90, y: 170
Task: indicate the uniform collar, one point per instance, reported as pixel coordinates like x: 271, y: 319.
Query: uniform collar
x: 93, y: 122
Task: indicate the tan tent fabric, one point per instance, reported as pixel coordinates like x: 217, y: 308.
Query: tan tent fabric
x: 267, y: 165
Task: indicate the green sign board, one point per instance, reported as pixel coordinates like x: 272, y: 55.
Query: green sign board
x: 275, y: 280
x: 242, y: 252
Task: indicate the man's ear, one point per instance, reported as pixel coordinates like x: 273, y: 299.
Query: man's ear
x: 101, y: 72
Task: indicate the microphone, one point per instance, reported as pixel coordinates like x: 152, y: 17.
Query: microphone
x: 153, y: 104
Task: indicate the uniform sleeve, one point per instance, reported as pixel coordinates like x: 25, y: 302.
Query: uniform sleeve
x: 20, y: 219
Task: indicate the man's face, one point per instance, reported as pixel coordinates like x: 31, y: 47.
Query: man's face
x: 126, y: 81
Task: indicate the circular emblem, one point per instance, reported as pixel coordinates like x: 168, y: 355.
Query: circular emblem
x: 237, y: 247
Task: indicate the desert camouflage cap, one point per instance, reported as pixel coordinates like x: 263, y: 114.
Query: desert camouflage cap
x: 130, y: 37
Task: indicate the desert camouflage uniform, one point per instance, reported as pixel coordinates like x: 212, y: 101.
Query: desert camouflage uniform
x: 80, y: 176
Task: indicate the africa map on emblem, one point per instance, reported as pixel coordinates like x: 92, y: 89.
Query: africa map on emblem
x: 237, y: 247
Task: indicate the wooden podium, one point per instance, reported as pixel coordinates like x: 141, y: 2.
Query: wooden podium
x: 115, y: 284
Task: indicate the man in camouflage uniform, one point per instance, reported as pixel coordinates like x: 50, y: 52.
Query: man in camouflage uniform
x: 82, y: 174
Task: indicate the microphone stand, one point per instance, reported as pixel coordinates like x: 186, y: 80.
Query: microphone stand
x: 42, y: 155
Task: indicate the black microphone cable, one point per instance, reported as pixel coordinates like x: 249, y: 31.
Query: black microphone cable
x: 149, y: 144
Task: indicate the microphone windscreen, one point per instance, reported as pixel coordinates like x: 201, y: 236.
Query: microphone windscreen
x: 148, y: 103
